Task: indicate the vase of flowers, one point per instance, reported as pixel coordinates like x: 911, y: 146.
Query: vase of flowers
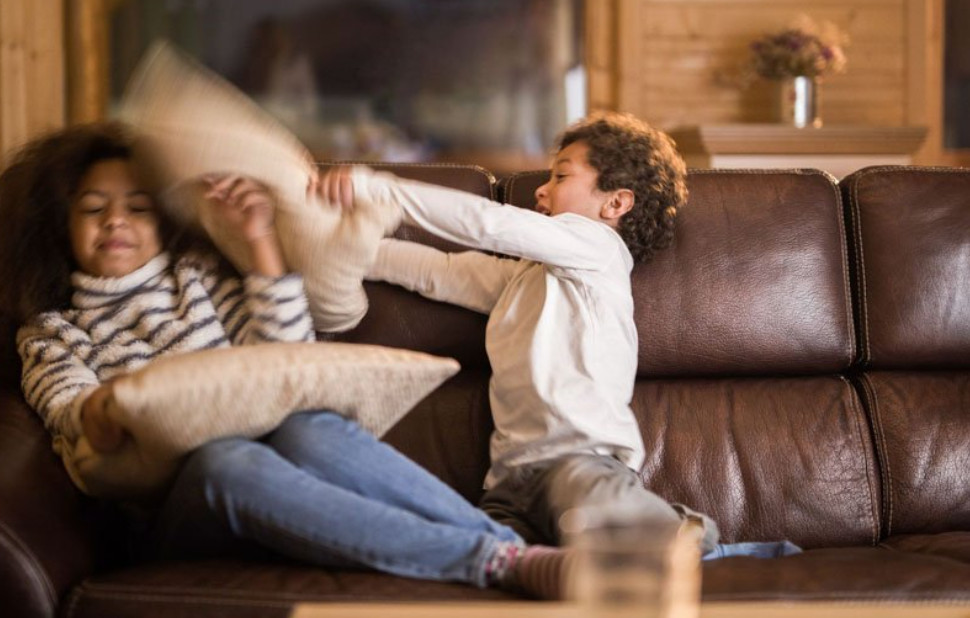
x: 798, y: 57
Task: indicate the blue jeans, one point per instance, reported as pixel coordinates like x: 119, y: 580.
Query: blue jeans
x: 322, y: 490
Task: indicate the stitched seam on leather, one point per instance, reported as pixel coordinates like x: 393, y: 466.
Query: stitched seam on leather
x: 507, y: 198
x: 846, y: 287
x: 202, y: 595
x: 202, y: 600
x: 489, y: 176
x: 883, y: 455
x: 795, y: 171
x: 72, y: 601
x: 28, y: 563
x: 865, y: 455
x: 863, y: 286
x: 909, y: 169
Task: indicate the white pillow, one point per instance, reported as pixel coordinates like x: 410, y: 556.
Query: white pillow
x: 190, y: 122
x: 177, y: 403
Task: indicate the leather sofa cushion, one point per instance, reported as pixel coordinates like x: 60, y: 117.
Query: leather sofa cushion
x: 242, y: 589
x: 923, y: 443
x: 955, y: 545
x: 767, y: 458
x: 910, y: 229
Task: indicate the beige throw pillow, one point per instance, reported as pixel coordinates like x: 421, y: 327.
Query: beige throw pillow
x: 179, y: 402
x: 190, y: 123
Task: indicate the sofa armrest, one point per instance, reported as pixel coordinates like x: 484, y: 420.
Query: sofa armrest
x: 46, y: 543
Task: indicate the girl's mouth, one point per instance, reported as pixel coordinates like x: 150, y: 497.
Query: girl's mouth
x: 115, y: 245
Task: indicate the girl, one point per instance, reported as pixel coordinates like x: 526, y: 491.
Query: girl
x: 103, y: 284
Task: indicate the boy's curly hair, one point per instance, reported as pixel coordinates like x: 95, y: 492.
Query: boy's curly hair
x: 630, y: 154
x: 36, y: 190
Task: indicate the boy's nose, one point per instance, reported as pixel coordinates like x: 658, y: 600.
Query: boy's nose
x: 540, y: 195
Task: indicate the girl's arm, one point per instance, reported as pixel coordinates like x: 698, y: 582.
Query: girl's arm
x: 470, y: 279
x: 246, y: 208
x: 61, y: 388
x: 568, y: 241
x: 271, y: 305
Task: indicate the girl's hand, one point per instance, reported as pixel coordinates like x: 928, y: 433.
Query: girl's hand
x: 245, y: 205
x: 334, y: 187
x: 104, y: 434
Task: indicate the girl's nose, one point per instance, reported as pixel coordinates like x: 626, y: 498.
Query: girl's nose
x: 115, y: 216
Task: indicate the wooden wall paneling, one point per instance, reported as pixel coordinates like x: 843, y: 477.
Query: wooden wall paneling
x: 88, y: 71
x: 680, y: 59
x: 31, y: 70
x: 630, y: 76
x: 600, y: 51
x: 925, y: 80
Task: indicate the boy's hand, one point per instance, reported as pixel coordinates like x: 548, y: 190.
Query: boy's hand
x: 334, y: 187
x: 104, y: 434
x: 245, y: 205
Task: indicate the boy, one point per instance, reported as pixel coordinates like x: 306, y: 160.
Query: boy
x: 561, y: 336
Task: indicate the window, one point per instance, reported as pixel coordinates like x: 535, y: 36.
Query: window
x: 394, y: 80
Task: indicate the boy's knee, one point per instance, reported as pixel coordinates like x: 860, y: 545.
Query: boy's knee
x: 605, y: 484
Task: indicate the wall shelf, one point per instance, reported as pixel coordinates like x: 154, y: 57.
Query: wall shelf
x: 839, y: 150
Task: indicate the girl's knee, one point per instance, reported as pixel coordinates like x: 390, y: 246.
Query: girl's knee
x: 317, y: 432
x: 220, y: 462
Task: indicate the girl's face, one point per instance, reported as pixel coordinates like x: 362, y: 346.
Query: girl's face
x: 113, y: 225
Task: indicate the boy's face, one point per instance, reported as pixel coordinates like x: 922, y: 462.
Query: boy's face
x: 113, y: 226
x: 572, y: 186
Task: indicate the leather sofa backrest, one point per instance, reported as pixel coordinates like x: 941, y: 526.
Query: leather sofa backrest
x: 911, y: 238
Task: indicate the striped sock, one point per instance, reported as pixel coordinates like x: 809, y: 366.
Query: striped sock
x: 541, y: 571
x: 500, y: 568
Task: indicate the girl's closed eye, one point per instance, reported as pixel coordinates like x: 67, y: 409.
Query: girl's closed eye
x: 141, y: 204
x: 92, y: 206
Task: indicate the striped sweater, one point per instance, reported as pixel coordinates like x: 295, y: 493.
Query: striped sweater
x: 116, y: 325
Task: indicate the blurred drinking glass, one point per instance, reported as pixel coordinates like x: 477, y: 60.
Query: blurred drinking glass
x: 628, y: 566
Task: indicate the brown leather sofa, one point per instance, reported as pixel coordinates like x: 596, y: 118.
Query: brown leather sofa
x: 804, y: 375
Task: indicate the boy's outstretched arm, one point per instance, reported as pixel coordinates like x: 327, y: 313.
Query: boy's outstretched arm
x: 470, y: 279
x: 474, y: 221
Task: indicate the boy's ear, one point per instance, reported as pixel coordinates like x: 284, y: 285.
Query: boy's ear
x: 618, y: 205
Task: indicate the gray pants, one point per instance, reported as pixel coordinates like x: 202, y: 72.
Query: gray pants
x: 532, y: 497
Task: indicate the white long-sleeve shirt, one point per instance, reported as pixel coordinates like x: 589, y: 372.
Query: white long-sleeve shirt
x: 561, y: 337
x: 118, y: 324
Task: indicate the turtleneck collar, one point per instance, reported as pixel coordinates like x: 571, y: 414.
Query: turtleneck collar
x: 91, y: 291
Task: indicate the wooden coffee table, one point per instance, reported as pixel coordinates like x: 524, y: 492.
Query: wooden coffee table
x: 568, y: 610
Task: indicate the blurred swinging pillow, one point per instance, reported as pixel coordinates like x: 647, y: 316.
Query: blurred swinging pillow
x: 190, y: 123
x: 178, y: 403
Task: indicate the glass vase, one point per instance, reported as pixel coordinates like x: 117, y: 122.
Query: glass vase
x: 800, y: 101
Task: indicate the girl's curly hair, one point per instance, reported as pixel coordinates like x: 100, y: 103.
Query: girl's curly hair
x: 630, y: 154
x: 36, y: 190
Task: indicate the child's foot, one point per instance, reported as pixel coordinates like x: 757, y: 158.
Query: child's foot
x: 538, y: 571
